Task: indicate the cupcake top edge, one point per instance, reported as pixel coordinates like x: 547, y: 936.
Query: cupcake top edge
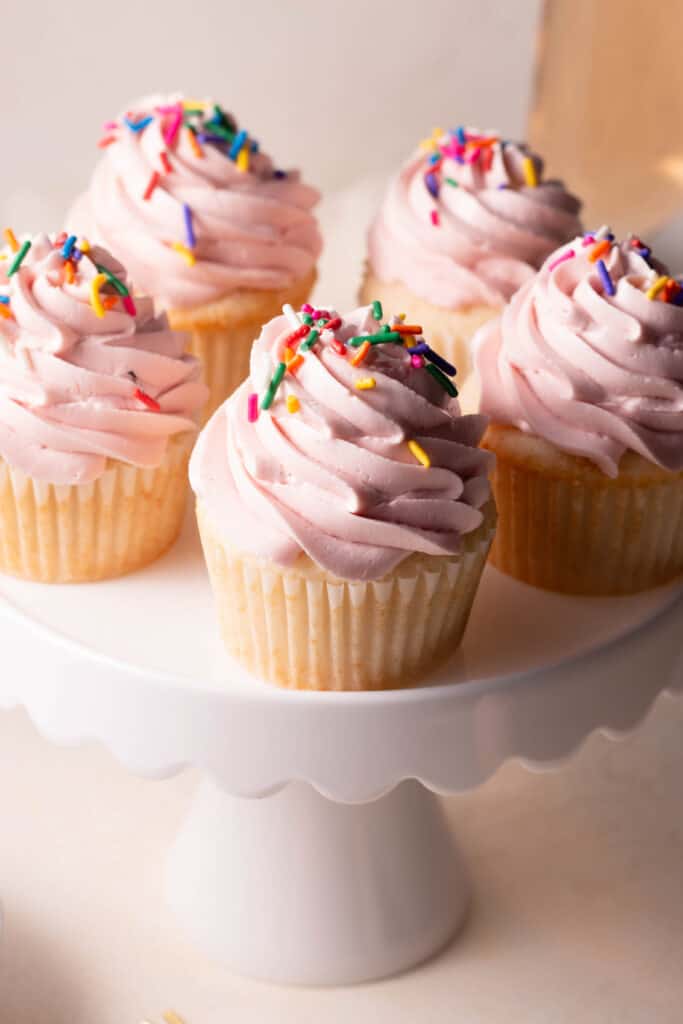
x: 589, y: 354
x: 195, y: 209
x: 468, y: 219
x: 87, y: 372
x: 347, y: 444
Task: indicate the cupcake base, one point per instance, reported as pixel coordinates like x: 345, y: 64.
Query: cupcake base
x: 448, y: 331
x: 118, y: 523
x: 563, y: 525
x: 221, y: 334
x: 302, y: 628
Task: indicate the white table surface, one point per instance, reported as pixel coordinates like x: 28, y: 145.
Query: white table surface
x: 578, y: 912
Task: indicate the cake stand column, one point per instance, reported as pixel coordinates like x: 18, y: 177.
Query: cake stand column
x: 298, y: 889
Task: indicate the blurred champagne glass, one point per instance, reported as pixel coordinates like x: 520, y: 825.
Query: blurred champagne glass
x: 607, y: 110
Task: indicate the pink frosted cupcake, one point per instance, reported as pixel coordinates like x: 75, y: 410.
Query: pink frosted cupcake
x: 205, y: 223
x: 344, y: 505
x: 466, y: 221
x: 98, y: 404
x: 582, y: 379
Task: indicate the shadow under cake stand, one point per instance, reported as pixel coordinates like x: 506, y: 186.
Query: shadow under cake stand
x: 316, y: 851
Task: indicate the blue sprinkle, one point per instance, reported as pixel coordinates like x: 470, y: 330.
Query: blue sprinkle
x: 4, y: 299
x: 137, y: 126
x: 419, y: 349
x: 432, y: 184
x: 644, y: 252
x: 237, y: 144
x: 607, y: 281
x: 189, y: 227
x: 216, y: 140
x: 439, y: 361
x: 68, y: 246
x: 254, y: 146
x: 460, y: 135
x: 434, y: 158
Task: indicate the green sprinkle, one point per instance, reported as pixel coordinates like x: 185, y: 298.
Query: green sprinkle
x: 443, y: 380
x: 306, y: 318
x: 376, y: 339
x: 451, y: 181
x: 18, y: 259
x: 113, y: 279
x: 309, y: 341
x: 193, y: 111
x: 321, y: 323
x: 267, y: 399
x: 377, y: 310
x: 221, y: 131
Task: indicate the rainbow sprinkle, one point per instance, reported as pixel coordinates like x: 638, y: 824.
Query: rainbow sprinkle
x: 420, y: 454
x: 654, y: 290
x: 252, y: 407
x: 189, y: 227
x: 607, y: 282
x: 568, y: 255
x: 293, y: 404
x: 530, y: 172
x: 95, y: 300
x: 11, y: 239
x: 186, y: 253
x: 365, y: 383
x: 275, y: 382
x: 18, y: 259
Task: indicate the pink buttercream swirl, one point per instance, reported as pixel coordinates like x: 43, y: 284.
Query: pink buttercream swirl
x: 460, y: 225
x: 252, y: 225
x: 77, y: 388
x: 336, y: 479
x: 593, y: 373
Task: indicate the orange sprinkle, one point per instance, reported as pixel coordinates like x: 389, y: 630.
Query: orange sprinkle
x: 407, y: 328
x: 69, y: 272
x: 288, y: 355
x: 109, y: 301
x: 294, y: 363
x: 196, y: 148
x: 5, y: 312
x: 11, y: 239
x: 599, y: 250
x: 361, y: 353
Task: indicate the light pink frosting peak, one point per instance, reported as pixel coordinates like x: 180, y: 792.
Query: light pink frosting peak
x: 468, y: 219
x: 589, y: 355
x: 334, y: 469
x: 166, y: 160
x: 77, y: 387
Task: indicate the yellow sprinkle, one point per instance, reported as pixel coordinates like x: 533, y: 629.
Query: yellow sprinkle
x: 420, y: 454
x: 243, y: 158
x: 656, y: 288
x: 287, y: 355
x: 365, y: 383
x: 84, y: 245
x: 172, y: 1018
x: 530, y: 175
x: 95, y: 300
x: 11, y: 239
x: 186, y: 253
x: 292, y: 403
x: 194, y: 104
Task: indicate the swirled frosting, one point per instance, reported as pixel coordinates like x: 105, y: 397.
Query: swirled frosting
x: 468, y: 220
x: 250, y: 225
x: 77, y: 388
x: 335, y: 466
x: 589, y: 356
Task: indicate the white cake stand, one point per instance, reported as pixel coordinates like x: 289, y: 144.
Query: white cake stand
x: 346, y: 870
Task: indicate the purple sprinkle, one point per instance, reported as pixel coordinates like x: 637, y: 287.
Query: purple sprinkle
x: 76, y: 255
x: 439, y: 361
x: 678, y: 298
x: 419, y: 349
x: 432, y: 184
x: 280, y: 174
x: 216, y: 140
x: 189, y: 227
x: 607, y: 281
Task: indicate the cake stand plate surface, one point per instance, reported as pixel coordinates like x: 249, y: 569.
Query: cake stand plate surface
x: 346, y: 871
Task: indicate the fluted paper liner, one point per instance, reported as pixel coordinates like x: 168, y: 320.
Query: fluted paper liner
x: 85, y: 532
x: 563, y: 525
x: 221, y: 335
x: 302, y: 628
x: 448, y: 331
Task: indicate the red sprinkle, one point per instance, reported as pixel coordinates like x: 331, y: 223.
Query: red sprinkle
x: 333, y: 325
x: 435, y: 218
x: 165, y: 162
x: 153, y: 182
x: 338, y: 346
x: 107, y: 141
x: 296, y: 335
x: 60, y: 239
x: 487, y: 162
x: 147, y: 400
x: 129, y: 305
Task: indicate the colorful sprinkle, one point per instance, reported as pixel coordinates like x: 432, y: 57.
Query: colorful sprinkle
x: 436, y: 359
x: 654, y: 290
x: 375, y: 339
x: 365, y: 383
x: 432, y: 184
x: 242, y: 161
x: 6, y: 313
x: 237, y: 144
x: 138, y: 126
x: 334, y: 324
x: 435, y: 218
x: 4, y: 299
x: 294, y: 363
x: 186, y: 253
x: 599, y: 250
x: 252, y: 407
x: 68, y: 247
x: 339, y: 347
x: 530, y: 172
x: 307, y: 308
x: 293, y: 404
x: 407, y: 328
x: 310, y: 340
x: 361, y: 354
x: 151, y: 185
x: 189, y: 227
x: 84, y: 245
x: 107, y: 141
x: 165, y: 162
x: 271, y: 391
x: 69, y: 272
x: 568, y: 255
x: 460, y: 136
x: 420, y: 454
x: 451, y: 181
x: 129, y: 305
x: 417, y: 361
x: 95, y: 300
x: 174, y: 126
x: 607, y: 282
x: 18, y: 259
x: 11, y: 239
x: 443, y: 380
x: 377, y: 310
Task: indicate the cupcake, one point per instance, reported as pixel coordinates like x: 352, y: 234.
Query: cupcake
x: 205, y: 224
x: 465, y: 223
x: 343, y: 504
x: 582, y: 378
x: 97, y: 416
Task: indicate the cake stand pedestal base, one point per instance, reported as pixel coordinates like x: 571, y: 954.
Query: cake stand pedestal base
x: 256, y: 882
